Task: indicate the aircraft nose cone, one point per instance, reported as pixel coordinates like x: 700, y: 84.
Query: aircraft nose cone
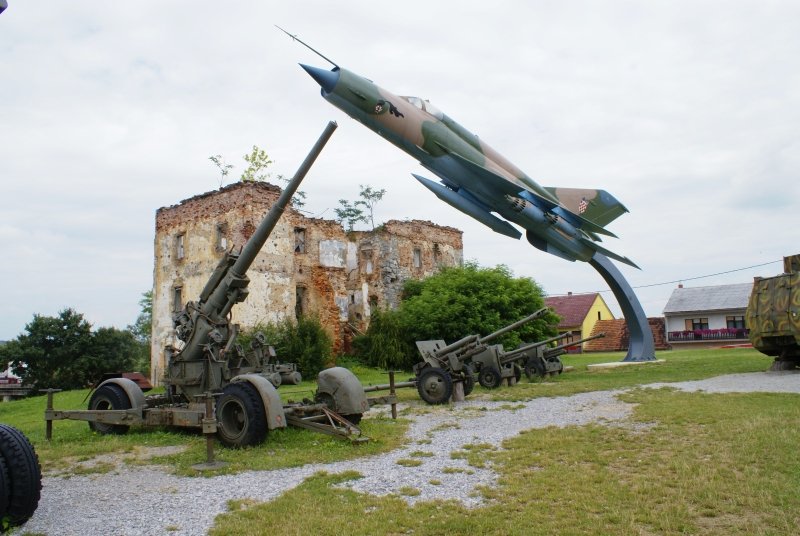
x: 326, y: 79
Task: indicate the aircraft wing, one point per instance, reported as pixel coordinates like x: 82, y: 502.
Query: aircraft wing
x: 505, y: 186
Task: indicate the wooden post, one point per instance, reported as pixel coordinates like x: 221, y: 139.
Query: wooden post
x: 458, y: 392
x: 392, y: 393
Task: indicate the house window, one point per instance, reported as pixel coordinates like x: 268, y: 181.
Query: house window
x: 735, y: 322
x: 696, y: 323
x: 177, y: 299
x: 417, y: 258
x: 180, y: 246
x: 222, y: 236
x: 598, y: 315
x: 299, y: 240
x: 300, y: 301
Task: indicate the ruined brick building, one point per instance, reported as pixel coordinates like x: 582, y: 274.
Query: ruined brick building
x: 308, y: 265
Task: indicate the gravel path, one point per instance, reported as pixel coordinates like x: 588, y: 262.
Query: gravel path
x: 148, y: 501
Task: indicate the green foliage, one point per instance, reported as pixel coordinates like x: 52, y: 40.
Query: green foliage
x: 384, y: 344
x: 361, y: 210
x: 257, y: 162
x: 452, y: 304
x: 369, y: 198
x: 349, y: 213
x: 304, y: 342
x: 142, y: 330
x: 223, y: 168
x: 62, y: 352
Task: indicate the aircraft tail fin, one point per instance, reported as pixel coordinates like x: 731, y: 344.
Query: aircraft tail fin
x: 597, y: 206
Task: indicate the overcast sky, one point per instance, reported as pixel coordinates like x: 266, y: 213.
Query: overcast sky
x: 687, y: 111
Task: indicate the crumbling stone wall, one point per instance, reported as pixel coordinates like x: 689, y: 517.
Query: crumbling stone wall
x: 307, y: 266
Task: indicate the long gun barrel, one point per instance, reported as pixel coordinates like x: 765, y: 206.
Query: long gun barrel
x: 513, y: 326
x: 228, y: 285
x: 558, y: 350
x: 221, y: 301
x: 476, y: 343
x: 511, y: 355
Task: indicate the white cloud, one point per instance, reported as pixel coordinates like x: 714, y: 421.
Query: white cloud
x: 686, y: 111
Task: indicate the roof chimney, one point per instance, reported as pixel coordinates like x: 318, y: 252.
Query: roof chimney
x: 680, y: 285
x: 569, y: 293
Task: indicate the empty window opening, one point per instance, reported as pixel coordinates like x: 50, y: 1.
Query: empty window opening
x: 222, y: 236
x: 417, y: 258
x: 366, y: 256
x: 299, y: 240
x: 300, y: 302
x: 180, y: 246
x: 177, y: 299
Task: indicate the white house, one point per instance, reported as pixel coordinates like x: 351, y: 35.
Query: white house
x: 707, y: 315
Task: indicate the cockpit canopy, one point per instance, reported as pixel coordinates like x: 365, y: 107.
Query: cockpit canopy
x: 426, y: 106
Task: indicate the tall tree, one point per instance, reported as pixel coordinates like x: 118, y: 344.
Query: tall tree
x: 62, y: 352
x: 141, y: 330
x: 452, y: 304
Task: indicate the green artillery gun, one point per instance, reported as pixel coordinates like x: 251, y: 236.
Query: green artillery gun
x: 210, y: 367
x: 442, y: 365
x: 495, y: 365
x: 539, y: 359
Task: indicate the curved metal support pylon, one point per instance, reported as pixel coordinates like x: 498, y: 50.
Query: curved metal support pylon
x: 641, y: 346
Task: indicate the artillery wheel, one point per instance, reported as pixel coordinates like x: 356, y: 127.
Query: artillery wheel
x: 21, y: 477
x: 241, y: 419
x: 533, y: 368
x: 435, y: 386
x: 489, y: 377
x: 517, y: 373
x: 109, y: 396
x: 469, y: 380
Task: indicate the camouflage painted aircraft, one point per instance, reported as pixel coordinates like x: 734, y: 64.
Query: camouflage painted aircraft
x: 476, y: 179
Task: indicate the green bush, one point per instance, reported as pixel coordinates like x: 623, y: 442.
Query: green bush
x: 452, y: 304
x: 385, y: 344
x: 304, y: 342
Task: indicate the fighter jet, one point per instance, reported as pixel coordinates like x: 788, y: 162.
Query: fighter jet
x: 473, y: 177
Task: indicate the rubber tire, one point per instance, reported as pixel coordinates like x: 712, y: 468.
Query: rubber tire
x: 534, y: 368
x: 5, y: 491
x: 489, y: 377
x: 241, y: 418
x: 109, y: 396
x: 438, y: 378
x: 24, y: 476
x: 469, y: 380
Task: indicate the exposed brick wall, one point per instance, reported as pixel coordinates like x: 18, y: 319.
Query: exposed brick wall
x: 337, y: 275
x: 617, y: 337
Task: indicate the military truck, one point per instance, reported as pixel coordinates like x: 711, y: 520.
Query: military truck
x: 215, y: 385
x: 773, y: 315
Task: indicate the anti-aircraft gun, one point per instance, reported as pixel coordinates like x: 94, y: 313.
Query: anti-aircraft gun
x: 210, y: 364
x: 443, y: 365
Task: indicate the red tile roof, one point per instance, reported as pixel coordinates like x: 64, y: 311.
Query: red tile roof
x: 572, y: 308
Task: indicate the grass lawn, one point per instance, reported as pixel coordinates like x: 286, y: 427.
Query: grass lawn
x: 685, y: 463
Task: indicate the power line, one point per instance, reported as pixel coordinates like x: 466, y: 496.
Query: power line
x: 685, y: 278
